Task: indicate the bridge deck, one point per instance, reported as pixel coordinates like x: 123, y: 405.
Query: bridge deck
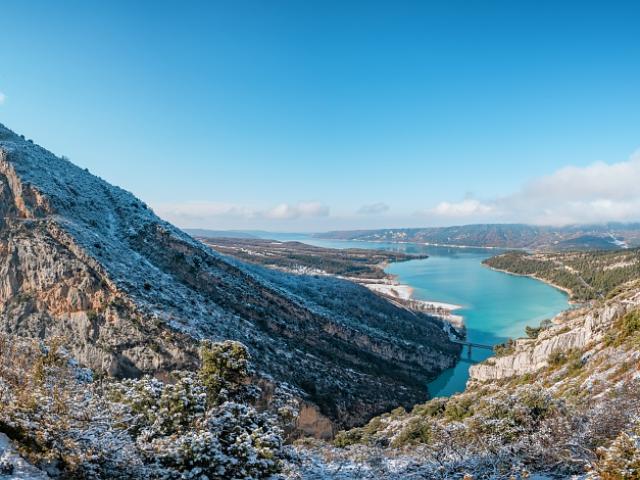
x: 471, y: 344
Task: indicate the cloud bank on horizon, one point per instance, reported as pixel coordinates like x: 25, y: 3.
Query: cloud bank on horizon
x: 601, y: 192
x: 206, y: 214
x: 597, y: 193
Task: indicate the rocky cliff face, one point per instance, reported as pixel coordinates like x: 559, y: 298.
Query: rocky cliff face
x: 573, y: 330
x: 132, y: 294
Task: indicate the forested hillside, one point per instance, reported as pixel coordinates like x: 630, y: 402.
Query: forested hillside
x: 610, y: 236
x: 587, y: 275
x: 303, y: 258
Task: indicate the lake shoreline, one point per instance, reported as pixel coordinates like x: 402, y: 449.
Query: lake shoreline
x: 494, y: 308
x: 565, y: 290
x: 427, y: 244
x: 454, y: 380
x: 403, y: 294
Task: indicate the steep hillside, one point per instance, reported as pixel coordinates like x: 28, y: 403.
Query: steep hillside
x: 585, y: 275
x: 132, y: 294
x: 563, y: 405
x: 579, y: 237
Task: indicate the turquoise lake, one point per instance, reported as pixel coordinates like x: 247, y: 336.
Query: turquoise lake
x: 495, y: 305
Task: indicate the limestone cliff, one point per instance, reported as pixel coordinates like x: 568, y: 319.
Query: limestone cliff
x: 573, y: 330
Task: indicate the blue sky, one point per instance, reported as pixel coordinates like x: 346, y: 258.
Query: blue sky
x: 298, y: 116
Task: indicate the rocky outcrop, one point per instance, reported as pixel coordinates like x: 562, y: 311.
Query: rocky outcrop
x: 574, y: 329
x: 13, y: 466
x: 131, y: 294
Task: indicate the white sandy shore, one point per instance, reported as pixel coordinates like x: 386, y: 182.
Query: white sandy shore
x: 405, y: 293
x: 566, y: 290
x: 445, y: 306
x: 389, y: 288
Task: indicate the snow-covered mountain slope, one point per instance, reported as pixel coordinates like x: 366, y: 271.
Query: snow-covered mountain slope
x: 131, y: 293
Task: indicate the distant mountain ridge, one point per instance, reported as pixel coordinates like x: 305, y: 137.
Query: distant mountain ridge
x: 132, y: 294
x: 517, y: 236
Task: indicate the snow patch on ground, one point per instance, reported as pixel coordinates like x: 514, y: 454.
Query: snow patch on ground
x: 14, y: 465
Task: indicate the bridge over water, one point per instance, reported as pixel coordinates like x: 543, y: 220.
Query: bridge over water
x: 472, y: 345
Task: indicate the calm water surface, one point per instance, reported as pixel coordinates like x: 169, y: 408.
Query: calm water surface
x: 496, y: 306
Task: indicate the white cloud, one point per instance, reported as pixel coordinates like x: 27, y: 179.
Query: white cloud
x: 600, y: 192
x: 301, y: 210
x: 466, y: 208
x: 596, y: 193
x: 190, y: 214
x: 3, y: 97
x: 203, y: 210
x: 373, y: 209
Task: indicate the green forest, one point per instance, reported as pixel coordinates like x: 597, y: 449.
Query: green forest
x: 589, y: 275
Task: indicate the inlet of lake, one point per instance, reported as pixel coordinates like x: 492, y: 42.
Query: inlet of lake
x: 495, y: 305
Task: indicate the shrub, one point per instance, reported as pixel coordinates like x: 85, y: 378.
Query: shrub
x: 574, y: 361
x: 346, y: 438
x: 546, y: 323
x: 537, y: 402
x: 556, y: 358
x: 621, y: 461
x: 230, y: 441
x: 417, y: 430
x: 364, y: 435
x: 224, y: 371
x: 532, y: 332
x: 162, y: 409
x: 61, y: 417
x: 458, y: 408
x: 433, y: 408
x: 630, y: 323
x: 625, y: 328
x: 506, y: 348
x: 509, y: 416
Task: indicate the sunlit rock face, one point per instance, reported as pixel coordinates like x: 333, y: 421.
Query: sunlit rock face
x: 573, y: 330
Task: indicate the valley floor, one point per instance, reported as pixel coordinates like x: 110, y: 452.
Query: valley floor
x: 361, y: 266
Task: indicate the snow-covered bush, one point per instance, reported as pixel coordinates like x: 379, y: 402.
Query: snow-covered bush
x: 230, y: 441
x: 76, y: 427
x: 225, y: 371
x: 158, y: 408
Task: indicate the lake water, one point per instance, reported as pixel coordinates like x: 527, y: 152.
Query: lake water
x: 496, y: 306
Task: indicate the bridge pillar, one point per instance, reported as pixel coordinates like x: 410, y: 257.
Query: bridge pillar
x: 469, y: 351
